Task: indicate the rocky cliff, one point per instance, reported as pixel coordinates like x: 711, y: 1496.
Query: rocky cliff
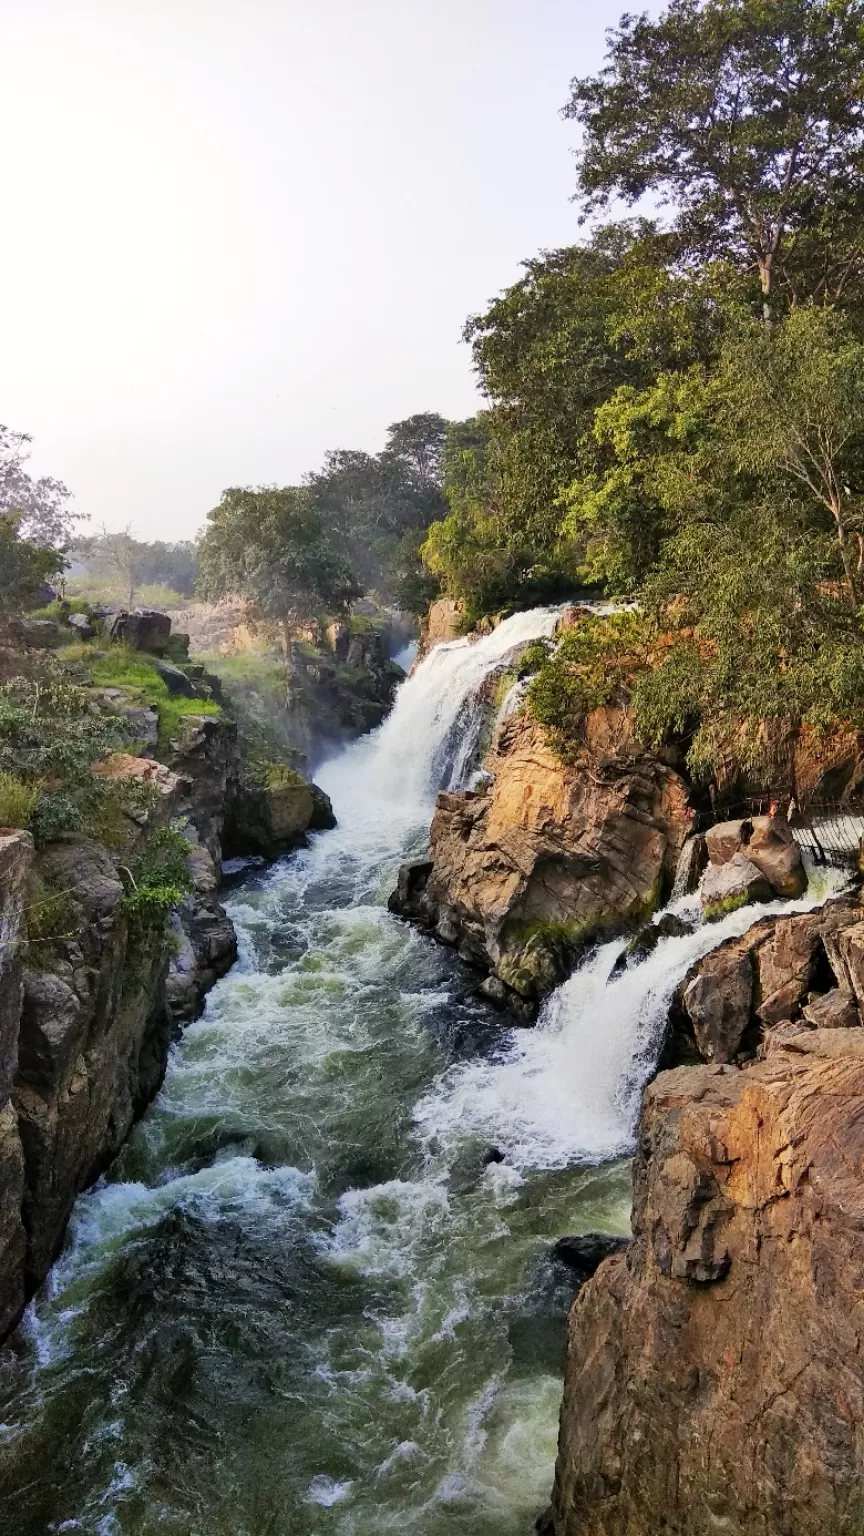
x: 715, y: 1378
x: 541, y: 859
x: 94, y: 981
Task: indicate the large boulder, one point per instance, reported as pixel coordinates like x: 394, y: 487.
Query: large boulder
x: 142, y: 630
x: 523, y: 875
x: 715, y: 1375
x: 718, y: 1002
x: 726, y: 887
x: 768, y: 842
x: 271, y: 819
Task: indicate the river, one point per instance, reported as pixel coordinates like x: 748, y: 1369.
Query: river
x: 303, y: 1302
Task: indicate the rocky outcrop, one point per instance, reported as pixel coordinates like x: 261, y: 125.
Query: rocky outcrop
x: 142, y: 629
x: 443, y: 622
x: 715, y: 1376
x: 334, y: 695
x: 16, y: 856
x: 750, y: 861
x: 271, y: 819
x: 523, y: 873
x: 782, y: 969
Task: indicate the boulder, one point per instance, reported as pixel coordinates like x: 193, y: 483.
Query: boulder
x: 833, y: 1010
x: 522, y: 876
x: 176, y: 681
x: 718, y: 1003
x: 142, y: 630
x: 80, y: 622
x: 774, y: 851
x: 735, y: 883
x: 725, y: 839
x: 715, y: 1374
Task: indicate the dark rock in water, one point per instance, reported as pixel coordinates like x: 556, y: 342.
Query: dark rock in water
x: 545, y: 1525
x: 323, y: 819
x: 492, y: 1155
x: 584, y: 1254
x: 669, y: 926
x: 494, y: 992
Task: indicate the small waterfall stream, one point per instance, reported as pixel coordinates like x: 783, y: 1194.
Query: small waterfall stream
x: 303, y: 1303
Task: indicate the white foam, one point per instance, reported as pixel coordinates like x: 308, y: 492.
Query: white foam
x: 569, y: 1090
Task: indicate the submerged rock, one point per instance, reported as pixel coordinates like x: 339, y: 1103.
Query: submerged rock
x: 584, y: 1254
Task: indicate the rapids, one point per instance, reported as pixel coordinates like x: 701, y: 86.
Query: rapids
x: 303, y: 1301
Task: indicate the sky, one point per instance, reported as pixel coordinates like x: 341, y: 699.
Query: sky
x: 241, y: 232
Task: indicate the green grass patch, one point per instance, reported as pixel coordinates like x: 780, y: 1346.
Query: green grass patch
x: 17, y: 800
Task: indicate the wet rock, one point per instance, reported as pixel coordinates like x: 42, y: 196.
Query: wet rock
x: 736, y: 1322
x: 492, y: 1155
x: 691, y: 865
x: 323, y: 818
x: 142, y: 630
x: 494, y: 991
x: 584, y: 1254
x: 735, y: 883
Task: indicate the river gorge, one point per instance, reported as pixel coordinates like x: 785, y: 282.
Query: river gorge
x: 315, y: 1293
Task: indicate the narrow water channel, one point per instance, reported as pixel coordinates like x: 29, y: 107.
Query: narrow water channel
x: 303, y: 1303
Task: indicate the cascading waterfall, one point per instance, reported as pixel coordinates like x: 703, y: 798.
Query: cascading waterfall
x: 303, y: 1302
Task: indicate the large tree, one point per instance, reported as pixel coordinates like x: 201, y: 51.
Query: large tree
x: 40, y: 507
x: 747, y: 116
x: 270, y: 546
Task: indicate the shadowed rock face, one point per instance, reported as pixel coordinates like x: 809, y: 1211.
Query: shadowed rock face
x: 522, y: 875
x: 715, y: 1379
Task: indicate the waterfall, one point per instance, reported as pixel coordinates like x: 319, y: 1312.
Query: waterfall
x: 301, y: 1299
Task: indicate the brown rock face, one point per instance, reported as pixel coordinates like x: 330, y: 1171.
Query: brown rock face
x: 523, y: 874
x: 715, y: 1379
x: 441, y: 623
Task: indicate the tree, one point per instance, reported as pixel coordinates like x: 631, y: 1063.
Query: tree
x: 24, y: 569
x: 418, y: 443
x: 794, y: 404
x: 374, y: 504
x: 270, y: 547
x: 39, y: 506
x: 747, y: 116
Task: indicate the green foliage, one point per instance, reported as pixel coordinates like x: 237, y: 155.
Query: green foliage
x: 745, y: 116
x: 377, y: 508
x: 271, y: 547
x: 591, y: 663
x: 158, y: 878
x: 49, y: 740
x: 24, y: 568
x: 50, y: 918
x: 17, y: 800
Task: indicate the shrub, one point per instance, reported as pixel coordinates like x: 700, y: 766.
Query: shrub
x: 592, y: 661
x: 158, y: 878
x: 16, y: 801
x: 49, y: 739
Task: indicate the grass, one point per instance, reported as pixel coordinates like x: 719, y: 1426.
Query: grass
x: 91, y: 590
x: 17, y: 800
x: 135, y: 672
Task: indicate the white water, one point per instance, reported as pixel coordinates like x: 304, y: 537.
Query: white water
x: 302, y: 1307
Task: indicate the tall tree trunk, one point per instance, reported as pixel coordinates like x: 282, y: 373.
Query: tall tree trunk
x: 845, y: 556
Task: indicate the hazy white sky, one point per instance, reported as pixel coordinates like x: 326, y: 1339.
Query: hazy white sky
x: 240, y: 232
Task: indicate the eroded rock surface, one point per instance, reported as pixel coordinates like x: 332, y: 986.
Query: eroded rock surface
x: 715, y: 1379
x: 524, y: 873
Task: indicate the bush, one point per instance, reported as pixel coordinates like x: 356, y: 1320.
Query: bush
x: 158, y: 878
x: 49, y: 740
x: 16, y: 801
x: 590, y: 664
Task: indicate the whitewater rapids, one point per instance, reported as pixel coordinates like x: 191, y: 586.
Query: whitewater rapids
x: 302, y: 1303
